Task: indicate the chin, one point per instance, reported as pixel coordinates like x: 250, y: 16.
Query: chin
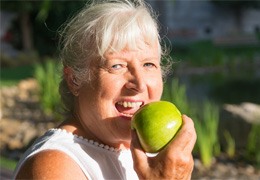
x: 127, y: 118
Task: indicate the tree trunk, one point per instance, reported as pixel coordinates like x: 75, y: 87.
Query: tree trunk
x: 26, y: 28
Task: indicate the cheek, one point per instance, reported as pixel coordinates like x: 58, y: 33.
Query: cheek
x: 108, y: 90
x: 160, y: 89
x: 156, y: 88
x: 109, y: 86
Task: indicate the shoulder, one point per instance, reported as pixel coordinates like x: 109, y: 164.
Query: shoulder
x: 50, y: 164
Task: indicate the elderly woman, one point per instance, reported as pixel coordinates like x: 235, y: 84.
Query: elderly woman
x: 111, y: 55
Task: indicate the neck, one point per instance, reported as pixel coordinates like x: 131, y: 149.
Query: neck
x: 75, y: 127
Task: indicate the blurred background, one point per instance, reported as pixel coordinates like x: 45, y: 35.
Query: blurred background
x: 215, y: 78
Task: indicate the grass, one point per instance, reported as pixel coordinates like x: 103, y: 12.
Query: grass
x: 205, y: 53
x: 206, y: 124
x: 48, y: 78
x: 205, y: 117
x: 176, y: 93
x: 253, y: 144
x: 11, y: 76
x: 231, y: 144
x: 7, y: 163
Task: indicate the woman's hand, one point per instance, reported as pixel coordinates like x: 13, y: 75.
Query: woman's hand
x: 175, y: 161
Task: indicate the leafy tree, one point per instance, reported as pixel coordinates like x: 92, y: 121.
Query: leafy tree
x: 23, y: 9
x: 38, y: 20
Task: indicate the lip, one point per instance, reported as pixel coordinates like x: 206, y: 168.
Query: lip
x: 125, y: 117
x: 127, y: 107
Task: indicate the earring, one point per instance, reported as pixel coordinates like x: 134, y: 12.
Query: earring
x: 76, y: 93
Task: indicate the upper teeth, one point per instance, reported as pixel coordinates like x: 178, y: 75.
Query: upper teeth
x: 130, y: 104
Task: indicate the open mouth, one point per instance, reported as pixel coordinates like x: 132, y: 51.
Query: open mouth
x: 127, y: 108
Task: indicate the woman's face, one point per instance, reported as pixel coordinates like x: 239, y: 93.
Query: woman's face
x: 125, y: 81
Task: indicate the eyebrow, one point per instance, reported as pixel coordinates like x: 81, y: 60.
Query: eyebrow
x: 127, y: 59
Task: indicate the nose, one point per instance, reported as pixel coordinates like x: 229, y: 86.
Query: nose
x: 136, y: 81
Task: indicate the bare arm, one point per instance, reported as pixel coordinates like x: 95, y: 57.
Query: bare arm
x: 50, y: 164
x: 173, y: 162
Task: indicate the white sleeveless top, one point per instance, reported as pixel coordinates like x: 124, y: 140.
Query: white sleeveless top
x: 97, y: 161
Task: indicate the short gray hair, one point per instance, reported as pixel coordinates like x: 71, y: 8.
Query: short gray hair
x: 103, y: 26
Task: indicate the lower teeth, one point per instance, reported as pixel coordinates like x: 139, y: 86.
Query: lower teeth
x: 128, y: 115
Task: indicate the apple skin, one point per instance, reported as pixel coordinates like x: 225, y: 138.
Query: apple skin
x: 156, y: 124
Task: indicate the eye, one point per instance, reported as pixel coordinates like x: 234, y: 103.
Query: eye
x: 149, y: 65
x: 117, y: 66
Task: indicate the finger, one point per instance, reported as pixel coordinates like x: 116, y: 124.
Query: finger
x: 186, y: 137
x: 190, y: 168
x: 139, y: 157
x: 135, y: 143
x: 192, y: 132
x: 183, y: 167
x: 185, y: 171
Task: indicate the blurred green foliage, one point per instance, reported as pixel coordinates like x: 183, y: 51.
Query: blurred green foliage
x: 45, y: 19
x: 253, y: 144
x: 48, y: 78
x: 205, y: 117
x: 7, y: 163
x: 206, y: 125
x: 12, y: 75
x: 231, y: 144
x: 206, y: 53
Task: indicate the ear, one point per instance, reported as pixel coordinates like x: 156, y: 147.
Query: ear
x: 71, y: 80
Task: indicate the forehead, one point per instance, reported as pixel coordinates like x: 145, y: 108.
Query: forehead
x: 143, y: 50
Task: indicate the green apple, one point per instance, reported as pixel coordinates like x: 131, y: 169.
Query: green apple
x: 156, y: 124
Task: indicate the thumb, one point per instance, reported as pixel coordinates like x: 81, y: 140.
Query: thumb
x: 139, y: 156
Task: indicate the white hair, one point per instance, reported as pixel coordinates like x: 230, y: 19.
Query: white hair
x: 103, y: 26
